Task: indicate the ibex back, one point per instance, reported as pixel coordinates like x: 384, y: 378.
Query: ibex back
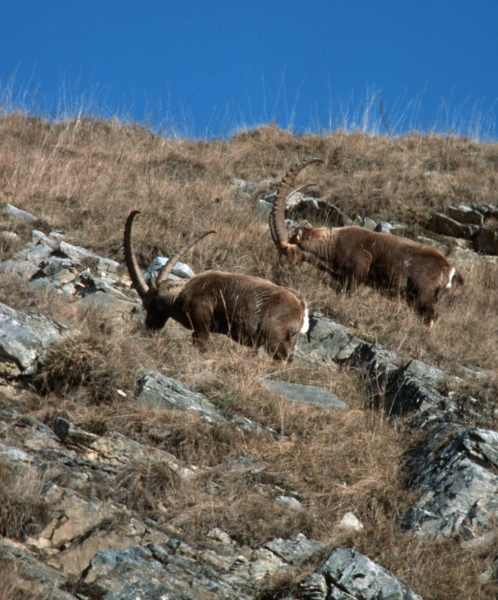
x: 355, y: 255
x: 250, y: 310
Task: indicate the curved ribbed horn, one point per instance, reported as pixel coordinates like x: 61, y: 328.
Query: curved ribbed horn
x: 130, y: 258
x: 284, y: 191
x: 165, y: 271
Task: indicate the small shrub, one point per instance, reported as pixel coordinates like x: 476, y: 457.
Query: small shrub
x: 94, y: 366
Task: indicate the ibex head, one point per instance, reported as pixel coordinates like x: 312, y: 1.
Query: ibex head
x: 158, y: 295
x: 290, y: 254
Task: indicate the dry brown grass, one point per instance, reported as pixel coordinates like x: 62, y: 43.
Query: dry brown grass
x: 23, y: 511
x: 84, y: 176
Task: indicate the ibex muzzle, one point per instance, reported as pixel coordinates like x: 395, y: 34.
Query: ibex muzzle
x: 354, y: 255
x: 250, y: 310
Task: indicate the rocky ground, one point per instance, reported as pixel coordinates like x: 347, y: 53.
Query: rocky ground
x: 88, y: 546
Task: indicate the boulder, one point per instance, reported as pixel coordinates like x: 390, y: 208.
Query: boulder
x: 486, y: 241
x: 368, y: 223
x: 326, y: 341
x: 349, y: 575
x: 25, y: 339
x: 455, y: 470
x: 384, y: 227
x: 447, y: 226
x: 465, y: 214
x: 180, y: 270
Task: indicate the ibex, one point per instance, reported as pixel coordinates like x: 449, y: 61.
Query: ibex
x: 250, y: 310
x: 354, y: 255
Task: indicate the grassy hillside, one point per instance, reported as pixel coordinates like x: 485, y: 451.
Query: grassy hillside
x: 83, y: 177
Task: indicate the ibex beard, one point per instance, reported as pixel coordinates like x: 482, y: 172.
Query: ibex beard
x: 250, y: 310
x: 354, y: 255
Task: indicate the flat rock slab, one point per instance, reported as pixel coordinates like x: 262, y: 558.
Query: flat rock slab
x: 349, y: 575
x: 307, y: 394
x: 158, y: 391
x: 447, y: 226
x: 25, y: 339
x: 466, y: 214
x: 38, y: 579
x: 19, y: 214
x: 215, y: 570
x: 82, y: 255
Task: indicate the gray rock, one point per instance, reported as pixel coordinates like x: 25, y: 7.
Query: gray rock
x: 410, y: 389
x: 36, y: 578
x: 326, y: 340
x: 350, y: 522
x: 302, y: 207
x: 83, y: 256
x: 25, y: 263
x: 264, y: 208
x: 430, y: 375
x: 37, y: 235
x: 486, y: 209
x: 44, y: 286
x: 404, y: 394
x: 465, y: 214
x: 349, y: 575
x: 180, y: 270
x: 61, y: 428
x: 8, y: 236
x: 369, y: 224
x: 20, y: 215
x: 406, y: 390
x: 294, y: 550
x: 307, y: 394
x: 447, y: 226
x: 486, y: 241
x: 53, y: 265
x: 108, y: 305
x: 289, y: 502
x: 456, y: 471
x: 159, y: 391
x: 317, y: 211
x: 376, y: 364
x: 215, y: 569
x: 25, y: 339
x: 384, y: 227
x: 245, y: 189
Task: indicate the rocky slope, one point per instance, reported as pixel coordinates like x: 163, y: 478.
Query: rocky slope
x: 72, y: 543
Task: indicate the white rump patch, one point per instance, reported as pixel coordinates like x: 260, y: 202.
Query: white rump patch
x: 306, y: 324
x: 452, y: 274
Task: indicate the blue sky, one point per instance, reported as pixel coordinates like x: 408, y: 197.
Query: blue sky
x: 209, y: 67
